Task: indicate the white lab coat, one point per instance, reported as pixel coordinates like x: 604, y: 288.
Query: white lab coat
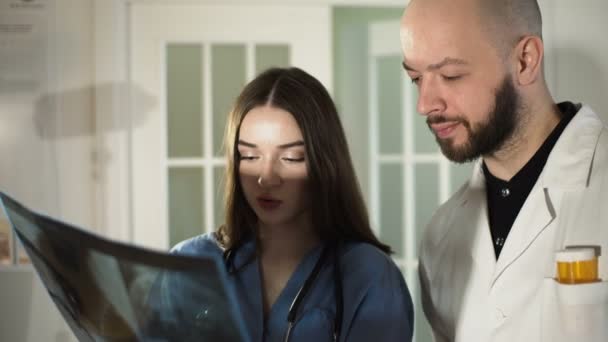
x: 469, y: 296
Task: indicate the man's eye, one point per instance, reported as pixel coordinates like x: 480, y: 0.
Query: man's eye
x: 415, y: 80
x: 452, y: 78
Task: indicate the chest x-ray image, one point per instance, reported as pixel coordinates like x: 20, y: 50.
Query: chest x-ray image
x: 110, y: 291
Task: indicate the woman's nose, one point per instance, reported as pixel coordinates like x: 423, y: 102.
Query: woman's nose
x: 269, y: 177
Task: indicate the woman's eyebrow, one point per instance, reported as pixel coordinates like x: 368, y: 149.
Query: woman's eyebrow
x: 283, y: 146
x: 244, y: 143
x: 292, y: 144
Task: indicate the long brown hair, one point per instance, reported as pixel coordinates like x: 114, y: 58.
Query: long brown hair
x: 338, y: 211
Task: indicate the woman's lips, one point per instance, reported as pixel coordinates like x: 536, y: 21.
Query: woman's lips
x: 268, y: 203
x: 444, y: 130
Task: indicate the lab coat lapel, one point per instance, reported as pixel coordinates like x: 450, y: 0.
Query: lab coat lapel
x: 535, y: 215
x: 468, y: 263
x: 567, y: 169
x: 474, y: 219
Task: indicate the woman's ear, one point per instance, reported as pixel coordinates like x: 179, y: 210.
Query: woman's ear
x: 529, y: 54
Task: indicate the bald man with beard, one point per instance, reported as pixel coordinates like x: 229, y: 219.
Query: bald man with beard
x: 539, y: 185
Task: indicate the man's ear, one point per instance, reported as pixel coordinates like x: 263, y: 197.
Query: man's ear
x: 528, y: 57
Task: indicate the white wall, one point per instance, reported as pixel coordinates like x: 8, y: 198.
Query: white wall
x: 46, y: 111
x: 47, y: 133
x: 27, y: 313
x: 578, y: 49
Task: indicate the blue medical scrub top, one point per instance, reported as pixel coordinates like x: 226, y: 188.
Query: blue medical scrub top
x: 377, y: 303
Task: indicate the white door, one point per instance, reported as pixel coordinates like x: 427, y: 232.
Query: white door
x: 409, y: 176
x: 193, y: 60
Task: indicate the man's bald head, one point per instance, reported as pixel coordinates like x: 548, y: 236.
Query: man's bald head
x: 504, y: 22
x: 507, y: 21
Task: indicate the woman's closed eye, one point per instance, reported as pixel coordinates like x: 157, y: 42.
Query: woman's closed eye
x: 248, y: 157
x: 293, y: 159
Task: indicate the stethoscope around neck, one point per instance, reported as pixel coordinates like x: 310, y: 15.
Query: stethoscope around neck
x: 304, y: 290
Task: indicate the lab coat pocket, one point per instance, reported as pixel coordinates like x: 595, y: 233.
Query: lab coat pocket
x: 574, y: 312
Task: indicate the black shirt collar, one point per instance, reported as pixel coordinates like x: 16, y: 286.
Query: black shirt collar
x: 506, y: 198
x: 527, y: 176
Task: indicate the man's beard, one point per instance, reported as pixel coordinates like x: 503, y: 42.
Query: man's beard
x: 485, y: 138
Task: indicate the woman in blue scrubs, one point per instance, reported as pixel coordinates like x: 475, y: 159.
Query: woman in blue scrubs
x: 296, y: 223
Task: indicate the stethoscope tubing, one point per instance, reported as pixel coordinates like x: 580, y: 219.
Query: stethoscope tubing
x: 305, y: 289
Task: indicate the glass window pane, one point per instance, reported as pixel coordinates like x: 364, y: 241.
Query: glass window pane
x: 5, y: 241
x: 389, y: 104
x: 218, y: 174
x: 352, y: 85
x: 185, y: 203
x: 184, y: 100
x: 424, y: 140
x: 227, y: 80
x: 426, y: 195
x: 459, y: 174
x: 391, y: 207
x: 267, y: 56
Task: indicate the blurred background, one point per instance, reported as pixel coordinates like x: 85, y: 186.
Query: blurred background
x: 112, y: 115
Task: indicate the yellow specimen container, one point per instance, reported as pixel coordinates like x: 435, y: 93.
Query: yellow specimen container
x: 577, y: 265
